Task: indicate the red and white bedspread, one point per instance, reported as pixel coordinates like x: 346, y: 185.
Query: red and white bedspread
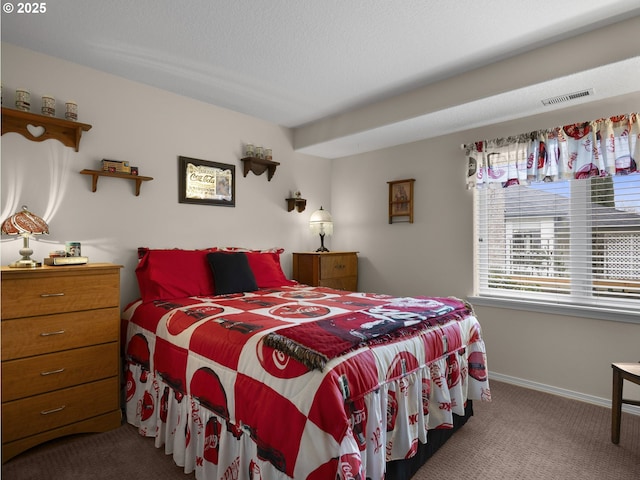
x: 204, y: 379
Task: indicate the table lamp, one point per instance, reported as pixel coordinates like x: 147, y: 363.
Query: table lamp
x: 25, y: 223
x: 321, y: 224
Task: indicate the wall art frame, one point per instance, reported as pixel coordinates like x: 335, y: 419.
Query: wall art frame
x: 401, y: 200
x: 207, y: 183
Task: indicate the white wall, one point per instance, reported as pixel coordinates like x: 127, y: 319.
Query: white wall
x: 434, y: 256
x: 149, y: 128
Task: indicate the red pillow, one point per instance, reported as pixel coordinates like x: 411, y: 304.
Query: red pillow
x: 167, y: 274
x: 267, y: 270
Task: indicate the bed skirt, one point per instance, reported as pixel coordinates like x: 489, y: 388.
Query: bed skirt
x: 405, y: 469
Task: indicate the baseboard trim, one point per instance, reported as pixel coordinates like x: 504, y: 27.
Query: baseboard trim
x: 520, y: 382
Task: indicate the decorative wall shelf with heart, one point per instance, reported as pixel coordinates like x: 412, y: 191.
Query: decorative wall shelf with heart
x: 39, y: 127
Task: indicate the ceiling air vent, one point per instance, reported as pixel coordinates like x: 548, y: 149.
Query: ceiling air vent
x: 566, y: 97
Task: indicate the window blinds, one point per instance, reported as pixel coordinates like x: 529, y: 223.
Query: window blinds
x: 574, y: 241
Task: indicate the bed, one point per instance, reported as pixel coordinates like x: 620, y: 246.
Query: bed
x: 238, y: 372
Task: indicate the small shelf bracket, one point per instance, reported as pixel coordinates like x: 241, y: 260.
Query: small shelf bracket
x: 298, y: 203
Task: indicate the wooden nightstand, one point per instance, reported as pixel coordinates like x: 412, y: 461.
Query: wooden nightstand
x: 327, y: 269
x: 60, y: 353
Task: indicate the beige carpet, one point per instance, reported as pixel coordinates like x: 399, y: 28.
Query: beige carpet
x: 521, y: 435
x: 525, y: 435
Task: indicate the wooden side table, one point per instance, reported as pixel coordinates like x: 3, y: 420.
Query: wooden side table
x: 327, y: 269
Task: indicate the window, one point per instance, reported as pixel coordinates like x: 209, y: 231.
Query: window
x: 572, y: 242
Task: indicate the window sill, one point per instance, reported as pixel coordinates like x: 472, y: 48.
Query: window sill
x: 599, y: 313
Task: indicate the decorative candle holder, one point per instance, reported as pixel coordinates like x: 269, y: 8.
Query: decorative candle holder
x: 71, y: 111
x: 48, y: 106
x: 23, y: 100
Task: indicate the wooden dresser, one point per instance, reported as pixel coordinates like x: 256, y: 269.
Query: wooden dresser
x: 327, y: 269
x: 60, y: 353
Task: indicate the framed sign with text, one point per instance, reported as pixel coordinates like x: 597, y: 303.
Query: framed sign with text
x: 207, y: 183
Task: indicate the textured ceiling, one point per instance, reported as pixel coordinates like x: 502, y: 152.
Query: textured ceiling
x: 294, y: 62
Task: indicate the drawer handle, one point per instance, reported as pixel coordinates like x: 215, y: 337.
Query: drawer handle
x: 51, y: 372
x: 48, y: 334
x: 53, y: 410
x: 47, y: 295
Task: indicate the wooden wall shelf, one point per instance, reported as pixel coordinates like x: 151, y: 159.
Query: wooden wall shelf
x: 259, y: 165
x: 98, y: 173
x: 38, y: 128
x: 298, y: 203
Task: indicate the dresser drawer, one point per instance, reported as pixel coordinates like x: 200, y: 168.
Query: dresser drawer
x: 27, y: 294
x: 34, y: 375
x: 343, y: 283
x: 26, y: 337
x: 336, y: 266
x: 29, y: 416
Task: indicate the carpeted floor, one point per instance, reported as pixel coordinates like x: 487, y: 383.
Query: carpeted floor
x: 525, y: 435
x: 521, y: 435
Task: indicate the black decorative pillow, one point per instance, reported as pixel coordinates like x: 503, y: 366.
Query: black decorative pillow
x: 231, y: 272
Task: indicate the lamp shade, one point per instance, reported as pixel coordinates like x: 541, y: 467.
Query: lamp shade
x: 25, y: 224
x: 321, y: 222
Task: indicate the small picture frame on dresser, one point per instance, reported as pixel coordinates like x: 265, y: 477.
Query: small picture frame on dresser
x: 401, y: 200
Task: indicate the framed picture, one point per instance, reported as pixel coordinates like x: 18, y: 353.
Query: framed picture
x: 208, y: 183
x: 401, y: 200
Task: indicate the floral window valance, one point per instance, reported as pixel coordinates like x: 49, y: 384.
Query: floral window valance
x: 603, y: 147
